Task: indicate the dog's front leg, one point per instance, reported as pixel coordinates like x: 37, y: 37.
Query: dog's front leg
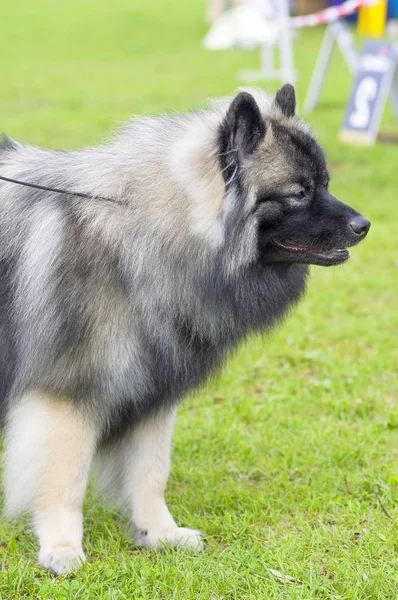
x: 49, y: 447
x: 147, y: 461
x: 135, y: 468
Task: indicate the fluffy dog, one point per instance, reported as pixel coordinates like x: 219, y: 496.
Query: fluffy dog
x: 125, y: 283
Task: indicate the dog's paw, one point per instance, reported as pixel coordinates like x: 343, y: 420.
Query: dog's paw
x: 182, y: 536
x: 61, y: 559
x: 176, y: 536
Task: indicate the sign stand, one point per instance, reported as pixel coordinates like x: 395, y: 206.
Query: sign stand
x: 338, y: 33
x: 394, y: 89
x: 268, y: 71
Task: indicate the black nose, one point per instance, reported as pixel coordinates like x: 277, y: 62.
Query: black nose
x: 359, y: 225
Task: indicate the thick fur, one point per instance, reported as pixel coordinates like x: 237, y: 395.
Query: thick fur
x: 112, y: 308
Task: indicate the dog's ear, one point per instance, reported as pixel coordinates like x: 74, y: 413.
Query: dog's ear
x: 240, y: 133
x: 285, y: 100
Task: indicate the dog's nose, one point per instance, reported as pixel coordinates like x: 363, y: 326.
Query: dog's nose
x: 359, y: 225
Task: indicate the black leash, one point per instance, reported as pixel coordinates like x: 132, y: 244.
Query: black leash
x: 57, y: 191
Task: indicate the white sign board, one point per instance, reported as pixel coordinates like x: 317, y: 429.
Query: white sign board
x: 375, y: 81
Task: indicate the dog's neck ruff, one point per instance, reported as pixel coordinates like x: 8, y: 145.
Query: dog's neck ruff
x: 57, y: 190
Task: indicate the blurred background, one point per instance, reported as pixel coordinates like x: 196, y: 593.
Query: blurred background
x: 288, y: 460
x: 70, y: 70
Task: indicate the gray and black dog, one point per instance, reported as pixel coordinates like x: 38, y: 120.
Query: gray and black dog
x: 175, y: 240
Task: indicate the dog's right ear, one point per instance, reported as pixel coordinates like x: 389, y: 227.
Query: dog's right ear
x: 240, y: 133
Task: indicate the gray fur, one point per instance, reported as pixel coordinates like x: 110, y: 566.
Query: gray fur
x: 122, y: 307
x: 198, y: 230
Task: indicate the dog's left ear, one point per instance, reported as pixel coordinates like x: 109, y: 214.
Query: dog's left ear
x: 285, y: 100
x: 241, y: 131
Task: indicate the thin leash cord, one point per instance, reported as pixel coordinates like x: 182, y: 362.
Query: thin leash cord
x: 56, y: 190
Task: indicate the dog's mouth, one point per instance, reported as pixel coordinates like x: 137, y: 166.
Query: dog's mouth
x: 313, y: 256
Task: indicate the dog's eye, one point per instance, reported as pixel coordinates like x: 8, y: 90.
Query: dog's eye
x: 302, y: 194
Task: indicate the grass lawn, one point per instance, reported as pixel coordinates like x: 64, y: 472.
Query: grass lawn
x: 288, y: 461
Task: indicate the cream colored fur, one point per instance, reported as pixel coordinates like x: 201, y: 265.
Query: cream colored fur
x: 49, y: 452
x: 134, y: 470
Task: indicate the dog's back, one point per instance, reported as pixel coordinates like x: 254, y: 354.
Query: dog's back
x: 7, y: 347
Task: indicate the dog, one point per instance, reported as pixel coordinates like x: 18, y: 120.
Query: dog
x: 128, y: 272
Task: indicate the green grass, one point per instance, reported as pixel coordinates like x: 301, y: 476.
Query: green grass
x: 288, y: 461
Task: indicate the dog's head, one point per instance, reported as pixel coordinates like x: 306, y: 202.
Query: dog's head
x: 274, y: 165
